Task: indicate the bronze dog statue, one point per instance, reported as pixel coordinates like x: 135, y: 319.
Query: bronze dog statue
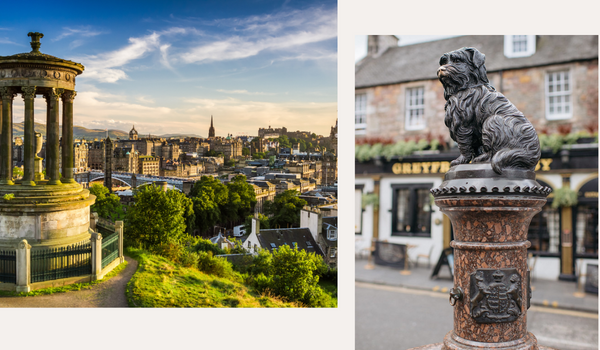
x: 484, y: 123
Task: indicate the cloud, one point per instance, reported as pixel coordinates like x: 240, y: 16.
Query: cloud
x: 283, y: 31
x: 106, y: 67
x: 244, y: 92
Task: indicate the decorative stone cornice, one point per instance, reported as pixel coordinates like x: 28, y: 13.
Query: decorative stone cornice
x: 28, y: 92
x: 69, y: 96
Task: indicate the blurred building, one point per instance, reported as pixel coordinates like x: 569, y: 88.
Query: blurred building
x: 553, y: 80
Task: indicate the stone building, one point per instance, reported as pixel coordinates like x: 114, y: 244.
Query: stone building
x: 264, y: 191
x: 553, y: 80
x: 133, y: 134
x: 81, y: 152
x: 125, y: 159
x: 149, y: 165
x: 265, y: 133
x: 230, y: 147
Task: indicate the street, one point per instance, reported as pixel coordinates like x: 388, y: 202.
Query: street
x: 398, y: 318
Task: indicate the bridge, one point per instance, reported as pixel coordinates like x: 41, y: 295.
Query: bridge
x: 132, y: 181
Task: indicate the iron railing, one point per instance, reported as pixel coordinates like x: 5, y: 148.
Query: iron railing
x: 8, y: 266
x: 63, y: 262
x: 110, y: 249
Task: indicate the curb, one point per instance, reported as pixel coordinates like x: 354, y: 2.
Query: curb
x: 444, y: 290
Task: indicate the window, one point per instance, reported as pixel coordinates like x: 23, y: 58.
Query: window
x: 360, y: 114
x: 411, y: 210
x: 331, y: 235
x: 544, y: 232
x: 415, y: 109
x: 558, y: 95
x: 519, y: 45
x: 332, y: 252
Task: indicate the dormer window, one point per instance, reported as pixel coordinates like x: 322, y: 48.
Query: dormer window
x: 331, y: 235
x: 519, y: 45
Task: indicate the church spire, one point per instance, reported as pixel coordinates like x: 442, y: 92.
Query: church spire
x: 211, y: 130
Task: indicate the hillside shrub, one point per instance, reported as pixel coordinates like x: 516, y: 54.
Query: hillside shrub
x: 217, y: 266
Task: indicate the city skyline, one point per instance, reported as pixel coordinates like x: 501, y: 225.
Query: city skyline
x: 166, y: 68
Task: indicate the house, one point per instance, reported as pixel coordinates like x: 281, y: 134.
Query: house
x: 324, y: 232
x: 553, y: 80
x: 271, y: 239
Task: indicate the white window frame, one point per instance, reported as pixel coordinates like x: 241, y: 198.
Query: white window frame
x: 331, y: 234
x: 415, y: 102
x: 551, y: 113
x: 509, y: 46
x: 360, y: 113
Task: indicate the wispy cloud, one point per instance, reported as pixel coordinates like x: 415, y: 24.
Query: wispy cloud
x: 256, y: 34
x: 245, y: 92
x: 79, y: 33
x: 8, y: 41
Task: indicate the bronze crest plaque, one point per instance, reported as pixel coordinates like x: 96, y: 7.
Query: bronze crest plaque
x: 495, y: 295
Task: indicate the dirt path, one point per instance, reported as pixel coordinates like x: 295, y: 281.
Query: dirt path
x: 110, y: 293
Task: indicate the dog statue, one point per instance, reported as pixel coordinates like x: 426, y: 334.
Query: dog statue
x: 484, y: 123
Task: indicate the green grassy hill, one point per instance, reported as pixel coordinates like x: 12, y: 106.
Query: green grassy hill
x: 159, y: 282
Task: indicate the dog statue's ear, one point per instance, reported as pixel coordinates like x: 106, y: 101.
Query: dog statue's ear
x: 477, y: 57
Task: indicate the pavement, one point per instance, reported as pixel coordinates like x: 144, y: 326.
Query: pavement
x: 109, y: 293
x: 545, y: 293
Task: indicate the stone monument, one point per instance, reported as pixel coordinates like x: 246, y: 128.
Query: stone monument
x: 490, y: 195
x: 48, y: 212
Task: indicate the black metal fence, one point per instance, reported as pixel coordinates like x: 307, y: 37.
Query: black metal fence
x: 63, y: 262
x: 110, y: 249
x: 8, y: 266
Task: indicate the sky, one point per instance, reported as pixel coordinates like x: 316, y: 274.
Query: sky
x: 360, y: 42
x: 167, y: 66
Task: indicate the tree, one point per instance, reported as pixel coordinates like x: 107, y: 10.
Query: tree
x: 284, y: 141
x: 158, y: 216
x: 294, y: 274
x: 245, y: 151
x: 258, y: 155
x: 313, y: 136
x: 285, y: 209
x: 241, y: 199
x: 107, y: 205
x: 208, y: 195
x: 263, y: 221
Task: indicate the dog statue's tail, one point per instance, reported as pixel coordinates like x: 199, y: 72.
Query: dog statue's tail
x: 513, y: 141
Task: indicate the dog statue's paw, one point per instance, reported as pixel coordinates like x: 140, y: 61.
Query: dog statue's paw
x: 460, y: 160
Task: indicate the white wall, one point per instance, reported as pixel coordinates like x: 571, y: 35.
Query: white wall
x: 363, y: 241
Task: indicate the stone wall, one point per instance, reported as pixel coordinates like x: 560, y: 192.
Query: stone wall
x: 525, y: 88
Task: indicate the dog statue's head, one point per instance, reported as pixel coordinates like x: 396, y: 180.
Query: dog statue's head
x: 462, y: 69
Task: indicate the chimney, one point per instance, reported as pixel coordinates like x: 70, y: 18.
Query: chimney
x: 378, y: 44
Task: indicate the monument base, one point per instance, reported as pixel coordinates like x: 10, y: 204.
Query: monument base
x: 453, y: 342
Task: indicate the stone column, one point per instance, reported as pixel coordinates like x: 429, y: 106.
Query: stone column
x: 93, y: 220
x: 96, y: 256
x: 29, y: 137
x: 8, y: 94
x: 23, y: 266
x: 119, y: 228
x: 67, y: 136
x: 52, y: 137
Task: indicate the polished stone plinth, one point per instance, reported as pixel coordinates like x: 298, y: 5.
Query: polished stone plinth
x: 490, y: 214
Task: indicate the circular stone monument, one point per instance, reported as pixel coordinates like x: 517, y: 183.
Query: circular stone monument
x: 50, y: 210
